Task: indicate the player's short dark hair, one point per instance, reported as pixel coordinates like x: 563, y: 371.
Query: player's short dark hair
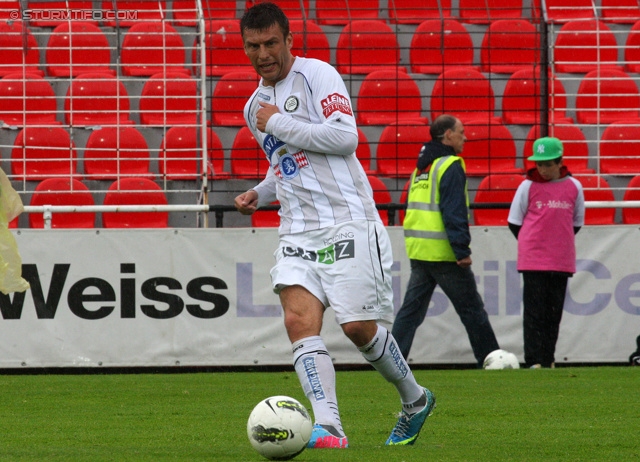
x: 262, y: 16
x: 440, y: 126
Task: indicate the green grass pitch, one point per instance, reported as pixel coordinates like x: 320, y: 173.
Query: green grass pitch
x: 565, y: 414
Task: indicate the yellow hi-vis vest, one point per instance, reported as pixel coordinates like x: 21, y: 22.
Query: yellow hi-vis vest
x: 425, y: 236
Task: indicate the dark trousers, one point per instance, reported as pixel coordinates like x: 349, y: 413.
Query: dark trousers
x: 459, y: 285
x: 543, y: 298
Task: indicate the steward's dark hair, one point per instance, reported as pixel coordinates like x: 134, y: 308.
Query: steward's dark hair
x: 262, y: 16
x: 440, y: 126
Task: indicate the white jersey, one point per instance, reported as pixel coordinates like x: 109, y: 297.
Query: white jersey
x: 310, y: 145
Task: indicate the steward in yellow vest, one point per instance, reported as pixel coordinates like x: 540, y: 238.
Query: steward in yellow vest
x: 436, y: 230
x: 436, y: 225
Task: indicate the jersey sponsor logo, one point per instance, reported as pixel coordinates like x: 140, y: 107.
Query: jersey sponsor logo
x: 264, y: 96
x: 291, y: 104
x: 337, y: 251
x: 336, y: 102
x: 554, y: 204
x: 272, y: 145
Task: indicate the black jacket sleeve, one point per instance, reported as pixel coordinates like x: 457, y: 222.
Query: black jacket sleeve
x: 515, y: 229
x: 454, y: 210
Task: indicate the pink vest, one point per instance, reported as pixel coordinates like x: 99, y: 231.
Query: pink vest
x: 546, y: 241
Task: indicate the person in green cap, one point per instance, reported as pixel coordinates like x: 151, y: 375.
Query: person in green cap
x: 545, y: 215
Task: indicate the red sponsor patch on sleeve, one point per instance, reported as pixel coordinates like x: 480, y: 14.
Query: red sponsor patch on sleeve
x: 336, y: 102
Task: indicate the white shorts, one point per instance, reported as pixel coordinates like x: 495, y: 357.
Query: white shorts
x: 347, y: 267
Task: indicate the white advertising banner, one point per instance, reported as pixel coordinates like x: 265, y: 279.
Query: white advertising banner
x: 202, y: 297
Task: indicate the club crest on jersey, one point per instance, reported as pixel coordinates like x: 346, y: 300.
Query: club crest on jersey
x: 336, y: 102
x: 289, y: 165
x: 291, y: 104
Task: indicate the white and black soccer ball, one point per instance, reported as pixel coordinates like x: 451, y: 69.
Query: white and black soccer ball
x: 279, y: 428
x: 500, y: 359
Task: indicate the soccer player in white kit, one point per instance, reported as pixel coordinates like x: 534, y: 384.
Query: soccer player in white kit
x: 333, y: 249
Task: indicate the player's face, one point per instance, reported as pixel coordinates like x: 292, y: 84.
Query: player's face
x: 269, y: 52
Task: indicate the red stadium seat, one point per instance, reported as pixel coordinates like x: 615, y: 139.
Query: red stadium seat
x: 49, y: 13
x: 248, y: 160
x: 389, y: 96
x: 151, y: 47
x: 77, y: 47
x: 96, y: 99
x: 583, y: 46
x: 381, y: 195
x: 619, y: 148
x: 63, y: 191
x: 403, y: 200
x: 464, y: 93
x: 43, y: 152
x: 127, y: 13
x: 606, y: 96
x: 521, y: 99
x: 363, y: 152
x: 180, y: 156
x: 230, y: 94
x: 498, y: 188
x: 13, y: 59
x: 266, y: 218
x: 185, y: 12
x: 8, y: 9
x: 576, y: 150
x: 632, y: 49
x: 631, y: 215
x: 169, y: 99
x: 27, y: 99
x: 365, y: 46
x: 561, y: 11
x: 596, y: 188
x: 114, y: 152
x: 294, y: 9
x: 488, y: 11
x: 620, y: 11
x: 224, y: 48
x: 438, y: 45
x: 489, y: 148
x: 398, y: 149
x: 309, y: 40
x: 341, y: 12
x: 412, y: 12
x: 509, y: 45
x: 135, y: 191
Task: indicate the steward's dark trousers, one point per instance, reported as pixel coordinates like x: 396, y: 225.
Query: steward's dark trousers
x: 459, y: 284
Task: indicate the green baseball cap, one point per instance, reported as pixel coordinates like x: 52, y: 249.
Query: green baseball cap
x: 546, y: 148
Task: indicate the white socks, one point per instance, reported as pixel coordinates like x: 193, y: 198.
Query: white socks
x: 383, y: 354
x: 318, y: 379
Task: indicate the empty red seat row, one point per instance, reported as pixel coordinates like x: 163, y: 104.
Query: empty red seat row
x: 98, y: 99
x: 111, y: 153
x: 363, y: 46
x: 125, y: 191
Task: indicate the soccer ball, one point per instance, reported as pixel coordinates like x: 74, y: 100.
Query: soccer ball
x: 501, y: 359
x: 279, y: 428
